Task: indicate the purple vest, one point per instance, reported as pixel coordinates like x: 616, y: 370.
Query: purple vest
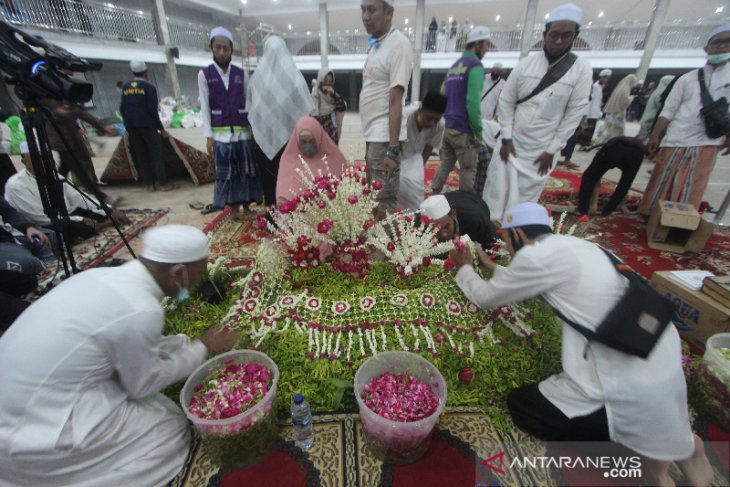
x: 455, y: 86
x: 227, y: 107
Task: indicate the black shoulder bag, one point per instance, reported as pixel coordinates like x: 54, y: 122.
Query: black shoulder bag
x: 714, y: 112
x: 554, y: 73
x: 638, y: 319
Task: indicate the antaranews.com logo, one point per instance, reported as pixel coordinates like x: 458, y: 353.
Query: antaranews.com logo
x: 613, y: 467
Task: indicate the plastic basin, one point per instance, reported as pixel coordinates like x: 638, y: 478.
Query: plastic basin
x: 392, y: 441
x: 244, y: 439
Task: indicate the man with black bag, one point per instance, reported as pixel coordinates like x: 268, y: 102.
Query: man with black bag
x: 622, y: 377
x: 540, y: 107
x: 691, y: 129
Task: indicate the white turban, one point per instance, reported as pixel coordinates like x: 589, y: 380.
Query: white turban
x: 567, y: 11
x: 605, y: 72
x: 221, y: 31
x: 719, y: 30
x: 436, y: 207
x: 497, y: 66
x: 525, y: 214
x: 175, y: 244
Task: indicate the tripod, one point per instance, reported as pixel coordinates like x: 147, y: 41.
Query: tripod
x: 50, y: 184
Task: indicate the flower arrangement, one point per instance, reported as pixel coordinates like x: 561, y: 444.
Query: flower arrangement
x: 400, y: 397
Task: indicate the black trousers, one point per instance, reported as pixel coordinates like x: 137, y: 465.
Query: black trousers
x: 12, y: 286
x: 534, y: 413
x: 269, y: 170
x: 567, y: 151
x: 619, y: 154
x: 146, y: 148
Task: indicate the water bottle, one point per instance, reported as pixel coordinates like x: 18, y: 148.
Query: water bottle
x: 301, y: 418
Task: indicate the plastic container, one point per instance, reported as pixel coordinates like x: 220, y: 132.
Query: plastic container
x: 392, y: 441
x: 716, y: 371
x: 244, y: 439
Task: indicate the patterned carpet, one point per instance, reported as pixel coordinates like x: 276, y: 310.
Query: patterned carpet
x: 464, y: 439
x: 97, y: 250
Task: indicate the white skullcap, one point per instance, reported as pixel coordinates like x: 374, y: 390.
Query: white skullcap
x: 605, y: 72
x: 567, y: 11
x: 719, y: 30
x: 24, y: 148
x: 221, y: 31
x: 435, y: 207
x: 138, y: 66
x: 174, y: 244
x: 525, y: 214
x: 478, y: 33
x: 497, y: 66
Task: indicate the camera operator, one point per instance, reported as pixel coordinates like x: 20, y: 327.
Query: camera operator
x: 87, y: 219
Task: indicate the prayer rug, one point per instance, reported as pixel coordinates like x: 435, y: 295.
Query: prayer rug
x: 234, y: 240
x: 98, y: 249
x: 562, y: 188
x: 625, y: 235
x: 460, y: 446
x: 181, y: 160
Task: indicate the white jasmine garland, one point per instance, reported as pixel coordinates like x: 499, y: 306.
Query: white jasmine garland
x: 337, y: 344
x: 362, y: 345
x: 349, y: 345
x: 400, y: 338
x: 385, y: 339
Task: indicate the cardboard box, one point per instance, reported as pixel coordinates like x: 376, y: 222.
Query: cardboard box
x: 677, y: 227
x: 698, y: 315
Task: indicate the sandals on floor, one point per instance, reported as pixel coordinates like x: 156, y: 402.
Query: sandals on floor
x: 197, y: 205
x: 208, y: 209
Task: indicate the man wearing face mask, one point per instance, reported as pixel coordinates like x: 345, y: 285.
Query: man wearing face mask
x: 684, y: 152
x: 540, y: 107
x: 223, y: 106
x: 463, y: 135
x: 83, y: 367
x: 493, y: 85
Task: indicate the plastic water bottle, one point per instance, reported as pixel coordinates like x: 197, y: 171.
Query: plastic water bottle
x: 301, y: 418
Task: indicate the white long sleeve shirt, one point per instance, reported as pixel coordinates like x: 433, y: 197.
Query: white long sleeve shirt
x: 682, y: 107
x: 490, y: 97
x: 81, y: 371
x: 594, y: 104
x: 22, y: 193
x: 645, y: 399
x: 204, y: 95
x: 546, y: 121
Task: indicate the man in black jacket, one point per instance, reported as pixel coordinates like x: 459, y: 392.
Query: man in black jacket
x: 460, y: 213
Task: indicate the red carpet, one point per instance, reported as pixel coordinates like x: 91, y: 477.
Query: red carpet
x: 626, y: 236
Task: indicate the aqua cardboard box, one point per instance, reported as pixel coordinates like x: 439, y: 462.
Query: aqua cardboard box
x: 698, y: 316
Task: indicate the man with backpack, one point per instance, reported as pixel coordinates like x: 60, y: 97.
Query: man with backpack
x: 541, y: 104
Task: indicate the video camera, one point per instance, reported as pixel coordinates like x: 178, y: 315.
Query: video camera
x: 36, y: 67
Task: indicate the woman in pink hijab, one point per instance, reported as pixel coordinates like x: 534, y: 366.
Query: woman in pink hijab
x: 312, y: 143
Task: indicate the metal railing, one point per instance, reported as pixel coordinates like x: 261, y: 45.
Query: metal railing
x: 115, y: 23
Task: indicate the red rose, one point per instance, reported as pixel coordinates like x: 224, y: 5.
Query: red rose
x: 449, y: 264
x: 352, y: 199
x: 377, y: 185
x: 321, y: 203
x: 391, y: 246
x: 466, y: 375
x: 366, y: 191
x: 427, y: 261
x: 261, y: 222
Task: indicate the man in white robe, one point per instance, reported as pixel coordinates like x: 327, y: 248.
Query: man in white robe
x: 493, y: 85
x: 83, y: 367
x: 602, y: 394
x: 534, y: 131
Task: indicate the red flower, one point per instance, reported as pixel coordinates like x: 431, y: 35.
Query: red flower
x: 466, y: 375
x: 427, y: 261
x: 368, y: 224
x: 331, y: 195
x: 583, y: 219
x: 460, y: 246
x: 303, y: 241
x: 321, y: 203
x: 288, y: 207
x: 261, y: 222
x: 352, y: 199
x: 324, y: 226
x: 449, y: 264
x: 377, y: 185
x: 366, y: 191
x: 391, y: 246
x: 425, y: 220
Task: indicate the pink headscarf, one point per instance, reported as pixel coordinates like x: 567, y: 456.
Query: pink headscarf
x: 288, y: 180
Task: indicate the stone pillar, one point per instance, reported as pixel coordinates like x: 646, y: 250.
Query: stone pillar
x: 418, y: 50
x: 652, y: 36
x: 324, y: 35
x: 163, y: 39
x: 528, y: 28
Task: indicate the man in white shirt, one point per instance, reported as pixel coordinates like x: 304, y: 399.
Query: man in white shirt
x: 686, y: 154
x: 386, y: 75
x: 83, y: 367
x: 87, y: 217
x: 594, y: 111
x: 425, y: 132
x: 536, y: 126
x: 493, y: 85
x: 602, y: 394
